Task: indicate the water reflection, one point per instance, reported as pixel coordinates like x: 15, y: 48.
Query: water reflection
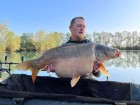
x: 123, y: 69
x: 16, y: 58
x: 127, y: 59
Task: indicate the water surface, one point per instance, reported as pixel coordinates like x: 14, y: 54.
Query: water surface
x: 123, y: 69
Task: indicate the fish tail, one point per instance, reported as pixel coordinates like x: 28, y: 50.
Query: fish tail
x: 24, y: 65
x: 27, y: 65
x: 34, y: 74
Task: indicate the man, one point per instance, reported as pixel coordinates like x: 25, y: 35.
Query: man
x: 77, y: 29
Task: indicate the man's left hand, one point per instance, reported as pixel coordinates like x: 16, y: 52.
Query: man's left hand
x: 96, y: 67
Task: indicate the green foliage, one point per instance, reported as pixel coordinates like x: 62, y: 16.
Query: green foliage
x: 42, y: 41
x: 27, y: 42
x: 2, y: 46
x: 53, y: 40
x: 9, y: 41
x: 3, y: 34
x: 123, y: 40
x: 12, y: 42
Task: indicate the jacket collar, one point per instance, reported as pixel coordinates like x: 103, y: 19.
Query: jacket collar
x: 74, y: 41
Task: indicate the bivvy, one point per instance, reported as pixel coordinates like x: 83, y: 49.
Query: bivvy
x: 18, y: 89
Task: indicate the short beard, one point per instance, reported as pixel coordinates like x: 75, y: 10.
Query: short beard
x: 78, y: 38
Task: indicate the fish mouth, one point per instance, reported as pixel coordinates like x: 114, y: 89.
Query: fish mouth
x: 118, y: 53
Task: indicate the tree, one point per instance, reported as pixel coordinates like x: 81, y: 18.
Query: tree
x: 3, y: 34
x: 8, y: 40
x: 27, y: 41
x: 53, y: 40
x: 12, y: 42
x: 40, y: 41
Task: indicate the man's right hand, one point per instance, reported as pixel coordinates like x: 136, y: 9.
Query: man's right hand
x: 49, y: 68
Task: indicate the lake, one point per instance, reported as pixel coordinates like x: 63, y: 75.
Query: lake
x: 123, y: 69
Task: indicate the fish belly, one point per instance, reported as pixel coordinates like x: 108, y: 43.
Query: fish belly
x: 77, y: 66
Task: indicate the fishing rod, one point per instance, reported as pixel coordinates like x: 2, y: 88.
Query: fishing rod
x: 8, y: 63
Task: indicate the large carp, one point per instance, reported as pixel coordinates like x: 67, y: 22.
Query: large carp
x: 72, y: 61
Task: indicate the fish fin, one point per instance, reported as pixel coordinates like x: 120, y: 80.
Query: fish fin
x: 34, y: 74
x: 74, y: 80
x: 24, y: 65
x: 103, y: 69
x: 27, y: 65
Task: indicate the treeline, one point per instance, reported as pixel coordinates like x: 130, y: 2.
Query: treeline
x: 123, y: 40
x: 41, y: 40
x: 9, y: 41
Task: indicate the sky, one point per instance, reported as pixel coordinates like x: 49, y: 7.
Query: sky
x: 55, y: 15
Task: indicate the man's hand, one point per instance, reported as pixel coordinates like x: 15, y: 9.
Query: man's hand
x: 49, y: 68
x: 96, y: 67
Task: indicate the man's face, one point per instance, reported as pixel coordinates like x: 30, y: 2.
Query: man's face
x: 78, y: 29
